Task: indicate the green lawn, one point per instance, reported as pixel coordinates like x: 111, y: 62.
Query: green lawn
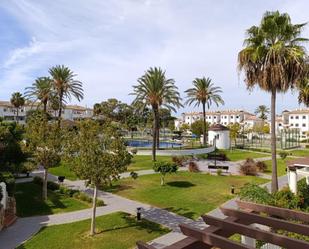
x: 114, y: 231
x: 29, y: 201
x: 301, y: 153
x: 281, y: 166
x: 188, y: 194
x: 145, y: 162
x: 63, y: 170
x: 237, y: 155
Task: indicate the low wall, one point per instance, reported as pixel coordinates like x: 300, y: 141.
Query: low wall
x: 177, y: 152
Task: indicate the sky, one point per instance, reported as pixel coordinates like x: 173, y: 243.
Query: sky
x: 109, y: 44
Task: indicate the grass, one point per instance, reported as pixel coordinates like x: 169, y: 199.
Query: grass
x: 300, y: 152
x: 237, y: 155
x: 114, y: 231
x: 187, y: 194
x: 63, y: 170
x: 29, y: 201
x: 281, y: 166
x: 145, y: 162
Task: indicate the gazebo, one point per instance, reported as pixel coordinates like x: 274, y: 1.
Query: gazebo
x: 296, y: 168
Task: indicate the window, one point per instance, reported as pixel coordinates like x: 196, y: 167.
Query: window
x: 280, y: 124
x: 296, y: 117
x: 225, y: 117
x: 304, y: 117
x: 292, y: 124
x: 215, y: 117
x: 237, y: 116
x: 296, y: 125
x: 4, y: 109
x: 232, y: 116
x: 304, y: 125
x: 292, y: 117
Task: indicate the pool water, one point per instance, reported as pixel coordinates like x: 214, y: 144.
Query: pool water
x: 148, y: 144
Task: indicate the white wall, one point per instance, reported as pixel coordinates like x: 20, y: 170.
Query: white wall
x: 223, y: 142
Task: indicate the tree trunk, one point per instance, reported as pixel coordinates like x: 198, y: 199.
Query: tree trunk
x: 158, y: 131
x: 154, y: 134
x: 44, y: 192
x: 45, y: 107
x: 60, y: 112
x: 274, y: 178
x: 94, y: 207
x: 17, y: 115
x: 204, y: 125
x: 162, y: 180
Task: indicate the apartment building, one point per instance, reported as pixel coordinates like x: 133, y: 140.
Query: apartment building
x: 70, y: 112
x: 224, y: 117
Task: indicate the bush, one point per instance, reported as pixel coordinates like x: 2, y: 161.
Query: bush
x: 248, y: 167
x: 261, y: 166
x: 50, y: 185
x: 219, y: 172
x: 86, y: 198
x: 134, y: 151
x: 193, y: 167
x: 303, y: 192
x: 202, y: 156
x: 255, y: 193
x: 67, y: 191
x: 9, y: 180
x: 283, y: 155
x: 179, y: 160
x: 286, y: 199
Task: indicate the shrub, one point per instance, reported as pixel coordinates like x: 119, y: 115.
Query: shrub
x: 134, y: 151
x: 255, y: 193
x: 261, y: 166
x: 9, y: 180
x: 286, y: 199
x: 179, y: 160
x: 134, y: 175
x: 193, y: 167
x: 248, y: 167
x: 219, y: 172
x: 202, y: 156
x: 283, y: 155
x: 86, y: 198
x: 50, y: 185
x: 67, y: 191
x: 303, y: 192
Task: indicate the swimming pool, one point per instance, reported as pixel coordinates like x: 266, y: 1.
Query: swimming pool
x: 148, y: 144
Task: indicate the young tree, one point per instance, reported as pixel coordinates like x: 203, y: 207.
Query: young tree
x: 65, y: 86
x: 274, y: 60
x: 155, y: 90
x: 44, y: 141
x: 96, y: 154
x: 164, y: 168
x: 197, y: 127
x: 234, y: 131
x: 17, y: 100
x: 205, y: 93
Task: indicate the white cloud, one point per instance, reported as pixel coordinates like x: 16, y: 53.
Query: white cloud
x: 110, y: 43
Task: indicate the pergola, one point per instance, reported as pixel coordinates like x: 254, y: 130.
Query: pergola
x: 252, y: 221
x: 299, y: 166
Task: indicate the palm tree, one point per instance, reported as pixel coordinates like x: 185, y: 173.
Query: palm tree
x: 303, y: 86
x: 204, y: 93
x: 155, y: 90
x: 273, y: 59
x: 17, y: 100
x: 262, y: 111
x: 42, y: 90
x: 65, y: 86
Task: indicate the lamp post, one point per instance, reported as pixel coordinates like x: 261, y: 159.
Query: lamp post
x: 215, y: 144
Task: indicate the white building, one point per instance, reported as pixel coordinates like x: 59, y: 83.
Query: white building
x: 224, y: 117
x: 70, y: 112
x: 219, y: 135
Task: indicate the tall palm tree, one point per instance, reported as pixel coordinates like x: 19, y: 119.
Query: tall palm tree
x: 273, y: 59
x: 262, y: 111
x: 303, y: 86
x: 65, y: 86
x: 155, y: 90
x: 17, y: 100
x: 42, y: 90
x: 204, y: 93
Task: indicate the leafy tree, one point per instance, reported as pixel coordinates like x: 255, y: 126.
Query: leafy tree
x: 184, y: 127
x: 164, y: 168
x: 234, y: 131
x: 44, y: 141
x: 273, y: 59
x: 17, y: 100
x: 262, y: 111
x: 96, y: 154
x: 198, y: 126
x: 65, y: 86
x: 204, y: 93
x: 155, y: 90
x: 42, y: 90
x: 11, y: 152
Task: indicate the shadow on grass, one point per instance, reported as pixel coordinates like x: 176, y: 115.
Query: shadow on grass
x: 182, y: 211
x: 116, y: 188
x: 181, y: 184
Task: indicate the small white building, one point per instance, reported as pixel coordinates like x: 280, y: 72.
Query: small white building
x: 219, y: 135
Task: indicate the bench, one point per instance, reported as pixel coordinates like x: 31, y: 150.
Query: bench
x: 216, y: 167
